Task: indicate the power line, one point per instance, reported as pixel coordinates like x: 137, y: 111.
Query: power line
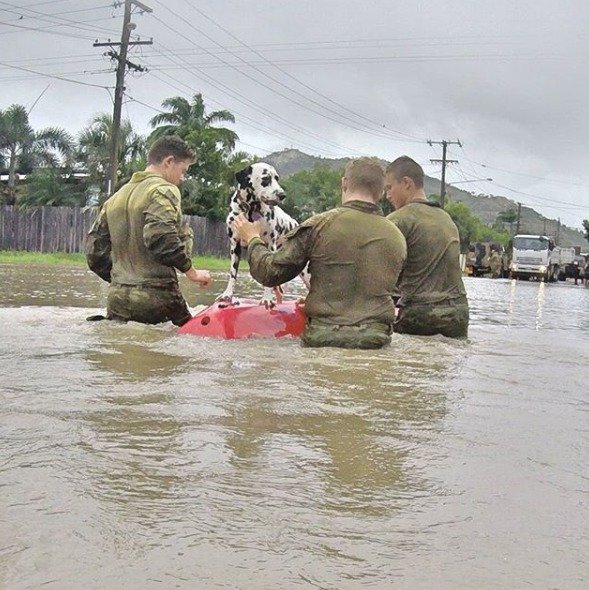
x: 37, y: 29
x: 227, y: 90
x: 523, y: 173
x: 248, y: 121
x: 52, y: 76
x: 250, y: 48
x: 267, y: 86
x: 62, y: 22
x: 54, y: 14
x: 254, y: 123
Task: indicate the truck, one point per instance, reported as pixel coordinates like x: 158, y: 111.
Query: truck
x: 537, y: 257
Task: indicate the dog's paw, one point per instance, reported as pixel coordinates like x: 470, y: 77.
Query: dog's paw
x: 268, y: 302
x: 225, y: 299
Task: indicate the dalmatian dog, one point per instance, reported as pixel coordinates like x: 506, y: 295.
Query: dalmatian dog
x: 257, y: 195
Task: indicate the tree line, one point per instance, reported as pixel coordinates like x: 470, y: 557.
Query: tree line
x: 64, y: 170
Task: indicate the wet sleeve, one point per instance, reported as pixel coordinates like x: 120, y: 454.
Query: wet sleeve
x: 275, y: 268
x: 161, y: 234
x: 98, y: 248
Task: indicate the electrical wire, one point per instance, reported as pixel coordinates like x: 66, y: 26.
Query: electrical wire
x: 52, y: 76
x: 282, y: 70
x: 263, y: 84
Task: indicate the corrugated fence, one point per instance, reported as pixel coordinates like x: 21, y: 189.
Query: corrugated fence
x: 64, y: 229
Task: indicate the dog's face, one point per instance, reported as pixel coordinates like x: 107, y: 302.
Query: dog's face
x: 259, y: 182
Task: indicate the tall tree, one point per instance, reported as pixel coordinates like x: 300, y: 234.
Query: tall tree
x: 586, y: 228
x: 312, y: 191
x: 207, y: 188
x: 190, y: 121
x: 21, y: 145
x: 94, y: 146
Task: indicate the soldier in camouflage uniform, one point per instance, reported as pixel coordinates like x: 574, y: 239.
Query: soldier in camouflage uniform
x: 433, y: 298
x: 495, y: 264
x: 137, y: 242
x: 355, y: 256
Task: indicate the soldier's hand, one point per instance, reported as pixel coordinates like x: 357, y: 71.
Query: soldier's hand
x: 202, y: 277
x: 245, y: 230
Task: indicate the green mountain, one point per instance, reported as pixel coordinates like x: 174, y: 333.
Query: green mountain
x: 290, y: 161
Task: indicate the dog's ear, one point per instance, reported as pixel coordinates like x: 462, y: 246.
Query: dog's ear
x: 243, y: 177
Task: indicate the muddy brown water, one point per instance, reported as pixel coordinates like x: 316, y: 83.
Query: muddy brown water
x: 134, y: 458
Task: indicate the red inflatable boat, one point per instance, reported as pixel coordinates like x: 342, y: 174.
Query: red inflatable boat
x: 246, y: 318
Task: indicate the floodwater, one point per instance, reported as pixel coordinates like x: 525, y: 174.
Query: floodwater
x: 134, y: 458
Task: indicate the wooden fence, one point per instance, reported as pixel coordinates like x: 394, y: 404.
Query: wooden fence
x: 64, y: 229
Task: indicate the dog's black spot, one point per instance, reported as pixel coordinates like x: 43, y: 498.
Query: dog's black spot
x: 244, y: 177
x: 266, y: 181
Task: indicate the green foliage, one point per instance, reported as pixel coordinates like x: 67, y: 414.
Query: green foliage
x: 471, y: 229
x: 312, y: 191
x: 586, y: 228
x: 48, y: 186
x: 468, y: 224
x: 23, y: 148
x: 94, y: 150
x: 209, y: 182
x: 508, y: 216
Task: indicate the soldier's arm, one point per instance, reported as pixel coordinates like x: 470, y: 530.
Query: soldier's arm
x: 160, y: 233
x: 98, y: 248
x: 274, y: 268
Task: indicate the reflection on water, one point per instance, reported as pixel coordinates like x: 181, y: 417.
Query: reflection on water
x: 135, y: 457
x: 540, y: 303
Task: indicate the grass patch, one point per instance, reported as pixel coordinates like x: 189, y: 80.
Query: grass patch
x: 13, y: 257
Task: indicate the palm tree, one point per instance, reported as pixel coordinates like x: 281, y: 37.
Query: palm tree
x: 190, y: 121
x: 207, y: 188
x: 94, y: 148
x: 21, y: 145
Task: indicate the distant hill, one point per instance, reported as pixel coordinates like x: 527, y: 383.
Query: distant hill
x: 487, y: 208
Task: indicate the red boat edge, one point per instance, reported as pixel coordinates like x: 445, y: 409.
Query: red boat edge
x: 246, y: 318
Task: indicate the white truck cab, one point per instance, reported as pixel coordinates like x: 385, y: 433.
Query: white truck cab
x: 536, y: 256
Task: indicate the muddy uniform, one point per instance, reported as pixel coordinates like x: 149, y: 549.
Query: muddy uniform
x: 433, y: 299
x: 136, y: 245
x: 495, y: 264
x: 355, y: 256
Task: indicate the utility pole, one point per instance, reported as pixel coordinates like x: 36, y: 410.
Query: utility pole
x: 557, y: 241
x: 122, y: 66
x: 519, y: 216
x: 444, y: 161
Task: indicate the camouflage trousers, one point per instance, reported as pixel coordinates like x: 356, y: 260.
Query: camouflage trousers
x: 449, y: 318
x: 148, y: 305
x: 368, y: 336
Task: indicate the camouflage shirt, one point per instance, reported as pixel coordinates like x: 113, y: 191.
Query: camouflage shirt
x: 136, y: 239
x: 355, y: 256
x: 432, y: 272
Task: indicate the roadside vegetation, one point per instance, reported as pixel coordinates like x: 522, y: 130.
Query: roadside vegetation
x: 78, y: 259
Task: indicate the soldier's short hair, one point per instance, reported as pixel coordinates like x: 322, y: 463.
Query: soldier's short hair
x: 169, y: 145
x: 404, y: 166
x: 365, y: 174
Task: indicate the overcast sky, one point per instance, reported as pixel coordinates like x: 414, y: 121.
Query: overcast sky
x: 338, y: 78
